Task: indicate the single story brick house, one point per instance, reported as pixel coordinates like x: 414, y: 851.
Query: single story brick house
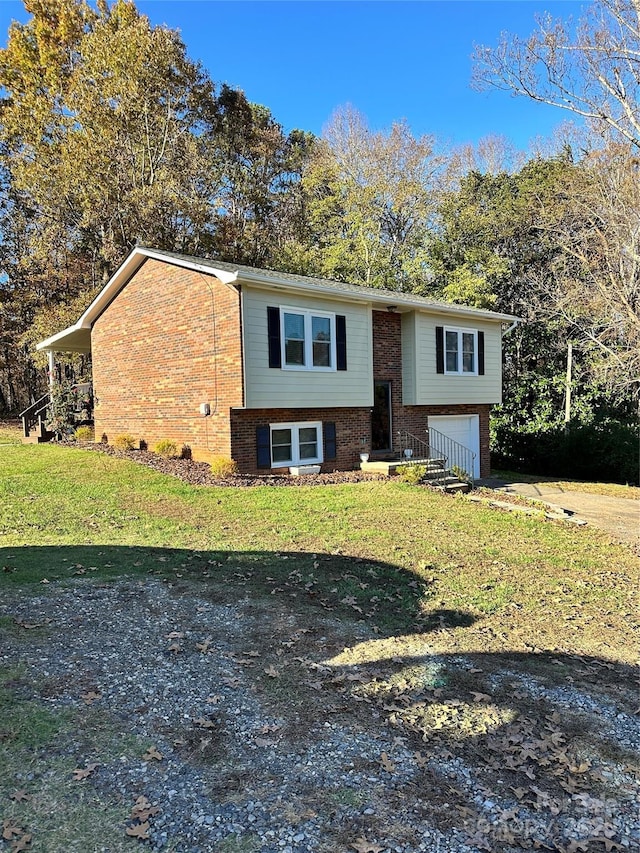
x: 278, y: 370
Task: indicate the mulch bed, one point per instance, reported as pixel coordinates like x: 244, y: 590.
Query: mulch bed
x: 199, y: 473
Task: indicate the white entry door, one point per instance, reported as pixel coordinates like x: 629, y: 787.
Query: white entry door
x: 465, y: 429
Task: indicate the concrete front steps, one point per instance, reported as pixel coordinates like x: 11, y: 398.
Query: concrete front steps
x: 441, y: 479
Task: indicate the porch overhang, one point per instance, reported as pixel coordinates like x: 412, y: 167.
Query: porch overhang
x: 74, y: 339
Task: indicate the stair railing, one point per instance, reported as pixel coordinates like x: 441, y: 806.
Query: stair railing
x: 460, y: 459
x: 415, y: 450
x: 32, y: 415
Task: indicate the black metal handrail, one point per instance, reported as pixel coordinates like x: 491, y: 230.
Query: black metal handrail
x: 460, y: 459
x: 414, y: 450
x: 32, y: 415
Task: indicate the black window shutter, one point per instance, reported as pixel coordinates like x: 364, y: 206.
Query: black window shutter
x: 273, y: 330
x: 481, y: 353
x: 263, y: 446
x: 439, y: 349
x: 341, y: 342
x: 329, y: 433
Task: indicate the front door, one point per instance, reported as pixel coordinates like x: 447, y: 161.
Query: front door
x: 381, y: 416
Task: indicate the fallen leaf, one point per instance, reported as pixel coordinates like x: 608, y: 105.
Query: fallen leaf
x: 420, y: 759
x: 261, y: 741
x: 152, y: 753
x: 204, y: 723
x: 363, y: 846
x: 91, y: 696
x: 272, y: 672
x: 480, y: 697
x: 10, y: 828
x: 386, y: 763
x: 204, y: 646
x: 20, y: 796
x: 140, y: 830
x: 83, y: 773
x: 21, y: 843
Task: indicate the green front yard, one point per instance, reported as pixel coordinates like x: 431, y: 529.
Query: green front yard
x: 399, y: 557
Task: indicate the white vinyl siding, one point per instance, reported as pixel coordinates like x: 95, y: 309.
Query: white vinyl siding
x: 269, y: 388
x: 433, y: 388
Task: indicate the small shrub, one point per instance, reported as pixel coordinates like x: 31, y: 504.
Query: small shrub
x: 84, y: 433
x: 461, y: 474
x: 167, y: 448
x: 185, y: 453
x: 412, y: 474
x: 125, y: 441
x: 222, y: 466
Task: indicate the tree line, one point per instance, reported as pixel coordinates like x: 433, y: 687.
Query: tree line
x: 110, y: 135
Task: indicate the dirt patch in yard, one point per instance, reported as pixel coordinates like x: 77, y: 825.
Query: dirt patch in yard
x: 196, y: 716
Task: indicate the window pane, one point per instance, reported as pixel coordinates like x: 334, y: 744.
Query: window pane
x: 309, y: 451
x: 321, y: 336
x: 294, y: 352
x: 294, y: 339
x: 321, y: 328
x: 281, y: 445
x: 321, y: 354
x: 281, y: 454
x: 451, y: 340
x: 308, y: 442
x: 468, y: 352
x: 281, y: 436
x: 294, y: 326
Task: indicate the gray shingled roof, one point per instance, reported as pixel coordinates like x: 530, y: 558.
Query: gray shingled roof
x: 397, y: 297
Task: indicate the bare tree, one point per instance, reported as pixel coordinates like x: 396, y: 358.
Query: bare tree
x: 591, y: 69
x: 596, y: 282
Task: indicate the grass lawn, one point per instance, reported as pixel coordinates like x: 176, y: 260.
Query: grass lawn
x: 384, y: 606
x: 397, y: 556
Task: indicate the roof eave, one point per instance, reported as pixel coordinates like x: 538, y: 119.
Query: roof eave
x: 399, y: 299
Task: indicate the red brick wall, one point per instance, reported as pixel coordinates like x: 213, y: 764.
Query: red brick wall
x: 169, y: 341
x: 353, y: 429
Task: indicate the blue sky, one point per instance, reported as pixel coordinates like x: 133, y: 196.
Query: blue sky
x: 390, y: 59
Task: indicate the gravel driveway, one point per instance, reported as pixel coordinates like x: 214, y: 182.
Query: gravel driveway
x: 199, y: 724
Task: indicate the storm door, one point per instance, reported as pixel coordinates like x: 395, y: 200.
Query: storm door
x: 381, y: 416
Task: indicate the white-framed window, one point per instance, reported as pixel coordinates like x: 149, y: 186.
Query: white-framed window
x: 308, y: 339
x: 461, y: 351
x: 296, y: 444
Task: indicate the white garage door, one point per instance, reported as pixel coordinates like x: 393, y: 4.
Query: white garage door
x: 463, y: 429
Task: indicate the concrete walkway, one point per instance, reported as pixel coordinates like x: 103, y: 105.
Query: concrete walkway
x: 618, y: 516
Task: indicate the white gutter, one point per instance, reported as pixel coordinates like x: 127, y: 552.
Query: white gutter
x: 511, y: 327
